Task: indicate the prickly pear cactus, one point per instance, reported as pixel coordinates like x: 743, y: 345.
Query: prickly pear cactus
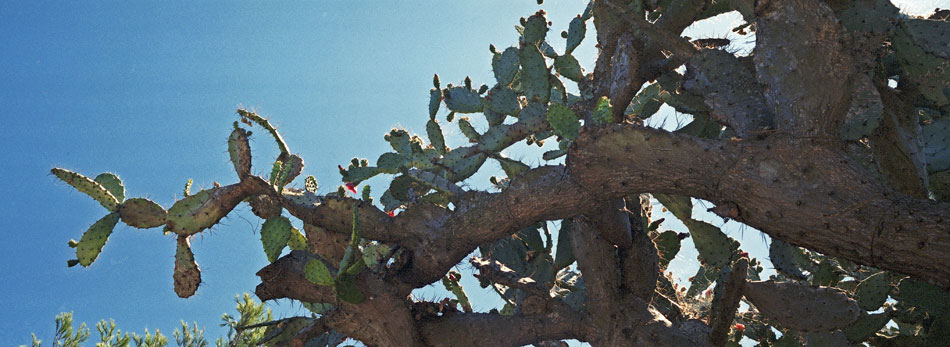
x: 88, y: 248
x: 92, y: 188
x: 187, y: 275
x: 142, y: 213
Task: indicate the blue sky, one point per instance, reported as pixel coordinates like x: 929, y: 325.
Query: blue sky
x: 148, y: 90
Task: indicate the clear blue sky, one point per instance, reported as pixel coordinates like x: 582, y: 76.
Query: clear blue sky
x: 148, y: 89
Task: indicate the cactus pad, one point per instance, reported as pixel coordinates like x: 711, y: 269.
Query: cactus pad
x: 872, y: 291
x: 534, y: 74
x: 468, y: 130
x: 715, y: 248
x: 435, y: 99
x: 240, y: 152
x: 113, y: 184
x: 564, y: 121
x: 187, y: 276
x: 94, y: 238
x: 201, y: 210
x: 667, y: 245
x: 142, y: 213
x: 802, y: 307
x: 535, y: 28
x: 575, y: 34
x: 89, y: 187
x: 504, y: 100
x: 463, y: 100
x: 317, y: 272
x: 567, y: 66
x: 866, y: 326
x: 274, y: 236
x: 505, y: 66
x: 297, y: 241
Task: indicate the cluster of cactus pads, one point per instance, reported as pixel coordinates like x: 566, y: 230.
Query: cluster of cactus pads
x: 814, y: 299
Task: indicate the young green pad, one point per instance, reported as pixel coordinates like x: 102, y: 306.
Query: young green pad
x: 274, y: 236
x: 317, y: 272
x: 187, y: 276
x: 297, y: 242
x: 94, y: 238
x: 142, y: 213
x: 564, y: 121
x: 113, y: 184
x: 89, y: 187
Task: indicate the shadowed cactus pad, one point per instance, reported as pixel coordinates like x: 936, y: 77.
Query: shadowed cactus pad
x: 803, y: 307
x: 142, y: 213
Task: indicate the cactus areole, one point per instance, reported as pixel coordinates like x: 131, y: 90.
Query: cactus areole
x: 800, y: 136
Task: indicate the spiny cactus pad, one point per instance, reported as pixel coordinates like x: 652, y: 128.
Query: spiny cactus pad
x: 113, y: 184
x: 436, y: 138
x: 435, y: 99
x: 94, y: 238
x: 504, y: 101
x: 187, y: 276
x: 680, y: 206
x: 142, y: 213
x: 505, y: 66
x: 463, y: 100
x: 667, y: 245
x: 569, y: 67
x: 297, y: 242
x: 872, y: 291
x: 802, y: 307
x: 534, y: 74
x: 89, y: 187
x: 564, y: 121
x: 469, y: 130
x: 575, y: 34
x: 535, y: 28
x: 240, y: 151
x: 200, y: 210
x: 317, y: 272
x: 866, y: 326
x: 274, y: 236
